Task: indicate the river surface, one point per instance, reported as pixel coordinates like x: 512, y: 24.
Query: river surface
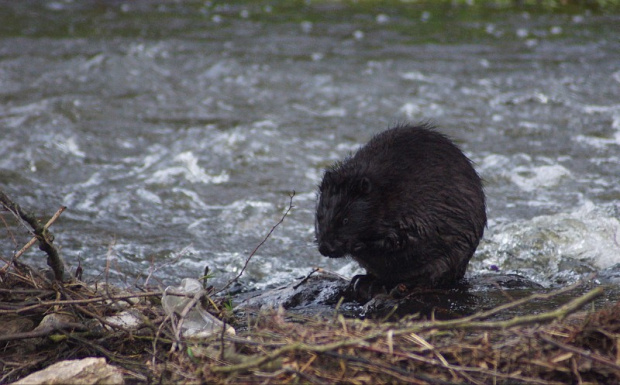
x: 175, y: 132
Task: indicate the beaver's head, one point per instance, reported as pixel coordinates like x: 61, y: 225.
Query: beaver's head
x: 343, y: 214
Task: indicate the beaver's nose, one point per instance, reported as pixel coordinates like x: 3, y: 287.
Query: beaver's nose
x: 329, y: 249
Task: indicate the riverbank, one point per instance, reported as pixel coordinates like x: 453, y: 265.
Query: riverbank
x: 569, y: 343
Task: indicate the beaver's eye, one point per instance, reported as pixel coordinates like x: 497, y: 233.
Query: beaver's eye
x: 345, y: 221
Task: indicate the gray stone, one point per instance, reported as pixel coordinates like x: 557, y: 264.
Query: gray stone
x: 88, y: 371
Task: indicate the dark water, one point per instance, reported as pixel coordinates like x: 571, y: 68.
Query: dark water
x: 174, y: 132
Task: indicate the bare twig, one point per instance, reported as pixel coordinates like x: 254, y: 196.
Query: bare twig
x: 559, y: 313
x: 110, y: 355
x: 463, y: 369
x: 247, y: 261
x: 516, y: 303
x: 80, y: 301
x: 306, y: 278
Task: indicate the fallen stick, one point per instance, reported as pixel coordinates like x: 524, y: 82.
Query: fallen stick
x: 41, y: 234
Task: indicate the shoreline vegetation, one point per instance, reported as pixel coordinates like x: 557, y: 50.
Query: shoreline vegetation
x: 410, y: 7
x: 568, y: 343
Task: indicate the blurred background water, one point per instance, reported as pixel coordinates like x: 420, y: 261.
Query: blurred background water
x: 174, y: 132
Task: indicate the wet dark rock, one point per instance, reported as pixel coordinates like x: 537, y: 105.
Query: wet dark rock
x: 501, y: 281
x: 324, y: 292
x: 611, y: 275
x: 317, y: 293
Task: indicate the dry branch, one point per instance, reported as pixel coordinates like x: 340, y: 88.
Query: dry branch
x: 99, y: 299
x: 40, y: 233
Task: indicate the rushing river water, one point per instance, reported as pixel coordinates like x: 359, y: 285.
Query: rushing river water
x: 174, y: 132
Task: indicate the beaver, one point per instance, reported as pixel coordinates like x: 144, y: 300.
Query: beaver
x: 408, y: 206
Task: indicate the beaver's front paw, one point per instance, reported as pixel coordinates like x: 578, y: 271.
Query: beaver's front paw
x: 364, y: 287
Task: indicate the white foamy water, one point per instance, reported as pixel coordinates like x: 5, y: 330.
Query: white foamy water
x: 584, y: 240
x: 530, y: 179
x: 186, y: 165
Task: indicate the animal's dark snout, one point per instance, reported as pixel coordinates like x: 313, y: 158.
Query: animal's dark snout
x: 329, y: 249
x: 326, y: 248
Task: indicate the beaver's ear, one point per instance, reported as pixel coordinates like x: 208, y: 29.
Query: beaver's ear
x: 365, y: 186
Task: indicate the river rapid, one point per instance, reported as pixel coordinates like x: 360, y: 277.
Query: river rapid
x: 175, y: 132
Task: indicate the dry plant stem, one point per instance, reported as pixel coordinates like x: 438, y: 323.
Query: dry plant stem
x: 395, y: 371
x: 403, y: 376
x: 41, y: 234
x: 157, y: 338
x: 111, y: 356
x: 247, y: 261
x: 583, y: 353
x: 462, y: 369
x: 421, y: 341
x: 422, y: 378
x: 519, y: 302
x: 26, y: 291
x: 102, y: 320
x: 463, y: 324
x: 559, y: 313
x: 307, y: 378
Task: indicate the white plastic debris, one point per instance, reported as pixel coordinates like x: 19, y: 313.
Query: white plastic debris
x: 197, y: 322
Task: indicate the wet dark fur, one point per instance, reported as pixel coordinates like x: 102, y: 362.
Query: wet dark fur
x: 408, y: 206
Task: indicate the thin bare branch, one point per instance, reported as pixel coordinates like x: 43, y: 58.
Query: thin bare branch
x: 247, y: 261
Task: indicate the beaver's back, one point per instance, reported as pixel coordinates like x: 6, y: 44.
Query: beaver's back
x: 418, y: 170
